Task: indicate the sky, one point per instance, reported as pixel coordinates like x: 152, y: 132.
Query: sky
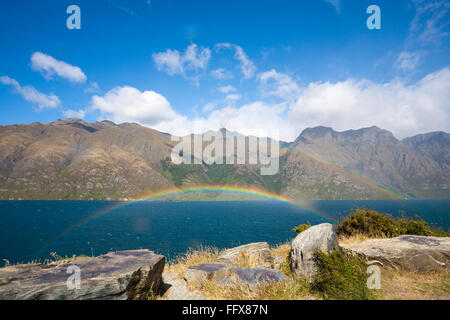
x: 257, y: 67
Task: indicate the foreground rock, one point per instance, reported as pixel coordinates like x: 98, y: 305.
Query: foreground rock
x: 177, y: 289
x: 320, y: 237
x: 410, y: 253
x: 207, y: 271
x: 254, y: 276
x: 253, y: 254
x: 224, y: 274
x: 134, y: 274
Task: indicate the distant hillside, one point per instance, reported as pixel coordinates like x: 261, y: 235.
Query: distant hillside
x: 72, y: 159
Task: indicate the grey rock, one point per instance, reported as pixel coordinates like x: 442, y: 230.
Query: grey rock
x: 410, y: 253
x: 207, y: 271
x: 256, y: 254
x: 320, y: 237
x: 133, y: 274
x: 177, y: 289
x: 254, y: 276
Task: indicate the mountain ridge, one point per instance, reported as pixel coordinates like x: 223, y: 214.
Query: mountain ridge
x: 74, y: 159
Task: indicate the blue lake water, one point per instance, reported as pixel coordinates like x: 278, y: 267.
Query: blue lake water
x: 30, y: 230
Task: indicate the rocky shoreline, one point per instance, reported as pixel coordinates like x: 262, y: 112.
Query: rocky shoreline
x: 140, y: 274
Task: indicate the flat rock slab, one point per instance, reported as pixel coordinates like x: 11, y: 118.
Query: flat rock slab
x: 256, y: 254
x: 133, y: 274
x: 253, y: 276
x: 207, y: 271
x: 410, y: 253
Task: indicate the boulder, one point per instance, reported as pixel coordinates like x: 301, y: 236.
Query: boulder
x: 410, y: 253
x: 133, y: 274
x: 320, y: 237
x: 254, y: 276
x: 256, y: 254
x: 207, y: 271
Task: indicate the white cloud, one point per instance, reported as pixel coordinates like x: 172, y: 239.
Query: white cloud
x: 74, y: 114
x: 247, y: 66
x: 30, y: 94
x: 409, y: 60
x: 221, y: 74
x: 209, y: 106
x: 430, y: 23
x: 227, y: 89
x: 278, y: 84
x: 403, y: 109
x: 193, y: 60
x: 127, y: 104
x: 232, y: 97
x: 336, y: 4
x: 49, y: 66
x: 93, y: 88
x: 257, y: 118
x: 427, y: 30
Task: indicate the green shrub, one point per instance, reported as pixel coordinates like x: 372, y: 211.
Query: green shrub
x: 299, y: 229
x: 341, y: 277
x: 374, y: 224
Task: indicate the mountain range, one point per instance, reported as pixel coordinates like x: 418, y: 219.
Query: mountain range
x: 76, y: 160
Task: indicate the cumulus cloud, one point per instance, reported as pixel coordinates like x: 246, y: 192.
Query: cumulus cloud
x: 173, y: 62
x: 257, y: 118
x: 30, y: 94
x: 247, y: 67
x: 404, y: 109
x: 401, y: 108
x: 221, y: 74
x: 278, y: 84
x: 49, y: 66
x: 128, y: 104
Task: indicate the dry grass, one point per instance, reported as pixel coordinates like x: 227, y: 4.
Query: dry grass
x: 415, y: 286
x: 291, y: 290
x: 354, y: 239
x: 282, y: 250
x: 192, y: 258
x: 394, y: 285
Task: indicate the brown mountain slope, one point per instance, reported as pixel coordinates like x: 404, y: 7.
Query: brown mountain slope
x: 377, y: 154
x: 72, y: 159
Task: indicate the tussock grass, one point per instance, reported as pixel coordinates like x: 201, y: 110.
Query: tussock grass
x: 284, y: 251
x: 291, y: 290
x: 192, y: 258
x: 353, y: 239
x: 404, y: 285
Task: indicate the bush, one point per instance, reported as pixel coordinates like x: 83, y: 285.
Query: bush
x: 341, y: 277
x: 299, y: 229
x: 374, y: 224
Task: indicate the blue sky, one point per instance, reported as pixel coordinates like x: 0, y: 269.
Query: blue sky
x: 258, y: 67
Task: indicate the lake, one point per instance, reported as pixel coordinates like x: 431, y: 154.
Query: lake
x: 30, y: 230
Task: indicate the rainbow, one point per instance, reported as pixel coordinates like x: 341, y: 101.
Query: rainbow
x: 162, y: 194
x: 215, y: 189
